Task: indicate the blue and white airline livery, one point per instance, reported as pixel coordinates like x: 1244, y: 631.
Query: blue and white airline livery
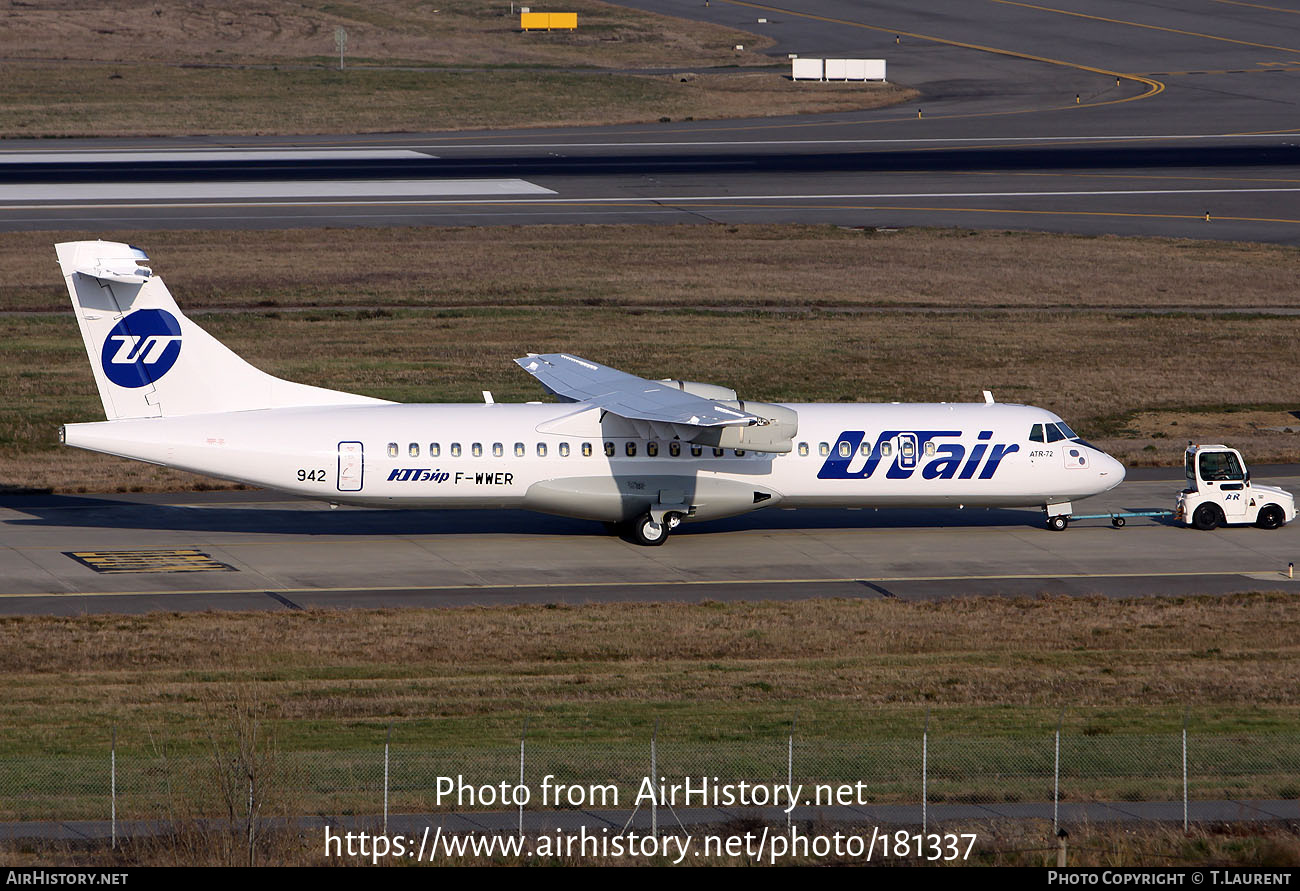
x: 638, y: 454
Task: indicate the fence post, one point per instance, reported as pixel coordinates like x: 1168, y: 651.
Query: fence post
x: 112, y: 785
x: 925, y: 758
x: 1184, y: 770
x: 251, y: 818
x: 387, y: 739
x: 654, y: 778
x: 789, y: 771
x: 1056, y: 783
x: 522, y: 736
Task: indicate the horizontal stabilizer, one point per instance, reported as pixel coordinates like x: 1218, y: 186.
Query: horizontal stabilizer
x: 626, y: 395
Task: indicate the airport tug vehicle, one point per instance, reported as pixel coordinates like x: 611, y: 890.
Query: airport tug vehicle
x: 1219, y: 492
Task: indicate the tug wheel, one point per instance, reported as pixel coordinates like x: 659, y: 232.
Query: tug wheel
x: 1207, y: 517
x: 1270, y: 517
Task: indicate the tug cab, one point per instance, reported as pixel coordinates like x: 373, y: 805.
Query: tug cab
x: 1219, y: 492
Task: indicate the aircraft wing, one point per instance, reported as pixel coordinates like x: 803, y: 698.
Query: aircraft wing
x: 626, y: 395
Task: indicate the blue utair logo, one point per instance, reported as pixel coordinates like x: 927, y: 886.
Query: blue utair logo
x: 949, y: 460
x: 141, y: 348
x: 417, y: 475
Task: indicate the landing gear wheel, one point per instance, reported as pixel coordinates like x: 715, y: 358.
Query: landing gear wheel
x: 645, y: 531
x: 1117, y: 522
x: 1058, y: 522
x: 1270, y: 517
x: 1207, y: 517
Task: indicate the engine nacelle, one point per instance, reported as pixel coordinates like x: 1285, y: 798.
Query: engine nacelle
x: 774, y: 433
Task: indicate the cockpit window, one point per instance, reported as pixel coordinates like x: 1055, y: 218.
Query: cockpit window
x: 1036, y: 433
x: 1054, y: 433
x: 1219, y: 466
x: 1069, y: 434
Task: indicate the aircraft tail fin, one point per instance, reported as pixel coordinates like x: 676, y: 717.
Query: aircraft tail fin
x: 148, y: 358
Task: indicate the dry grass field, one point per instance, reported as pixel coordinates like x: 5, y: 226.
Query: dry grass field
x: 443, y: 33
x: 686, y: 266
x: 1097, y: 329
x: 335, y: 679
x: 239, y: 67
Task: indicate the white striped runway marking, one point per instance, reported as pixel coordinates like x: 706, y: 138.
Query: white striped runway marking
x: 208, y: 155
x: 321, y: 189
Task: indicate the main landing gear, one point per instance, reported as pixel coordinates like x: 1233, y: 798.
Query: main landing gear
x: 646, y: 530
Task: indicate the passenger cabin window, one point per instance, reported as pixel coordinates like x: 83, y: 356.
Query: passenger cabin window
x: 739, y: 453
x: 865, y: 449
x: 696, y: 451
x: 455, y: 450
x: 630, y: 448
x: 497, y: 450
x: 803, y: 450
x: 477, y: 449
x: 609, y: 450
x: 434, y: 450
x: 413, y: 450
x: 541, y: 449
x: 907, y: 448
x: 1036, y: 433
x: 929, y: 450
x: 823, y: 449
x: 392, y: 450
x: 844, y: 448
x: 675, y: 449
x: 1220, y: 466
x: 652, y: 449
x: 586, y: 450
x: 886, y: 449
x: 564, y: 450
x: 718, y: 453
x: 519, y: 450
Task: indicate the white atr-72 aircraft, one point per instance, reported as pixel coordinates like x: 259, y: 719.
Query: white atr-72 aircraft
x: 639, y: 454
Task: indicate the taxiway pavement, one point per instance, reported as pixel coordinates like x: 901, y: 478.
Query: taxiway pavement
x: 289, y: 554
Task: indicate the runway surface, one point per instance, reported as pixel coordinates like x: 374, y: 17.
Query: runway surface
x: 1100, y: 117
x: 274, y: 553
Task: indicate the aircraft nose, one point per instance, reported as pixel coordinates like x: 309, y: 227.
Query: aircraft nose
x: 1109, y: 471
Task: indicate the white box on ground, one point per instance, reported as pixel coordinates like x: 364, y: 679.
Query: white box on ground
x: 806, y: 69
x: 837, y: 69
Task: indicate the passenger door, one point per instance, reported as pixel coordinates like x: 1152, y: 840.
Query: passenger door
x: 352, y: 466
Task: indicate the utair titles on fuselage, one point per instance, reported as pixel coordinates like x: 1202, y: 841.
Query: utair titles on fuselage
x: 642, y: 455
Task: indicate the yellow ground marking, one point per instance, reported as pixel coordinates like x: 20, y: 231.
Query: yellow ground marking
x: 1099, y: 18
x: 1258, y: 6
x: 1224, y: 71
x: 156, y: 560
x: 509, y: 586
x: 1137, y: 176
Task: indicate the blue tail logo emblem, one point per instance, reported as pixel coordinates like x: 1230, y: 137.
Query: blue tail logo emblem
x: 141, y: 348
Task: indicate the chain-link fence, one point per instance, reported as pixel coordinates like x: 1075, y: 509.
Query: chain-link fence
x: 1038, y: 774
